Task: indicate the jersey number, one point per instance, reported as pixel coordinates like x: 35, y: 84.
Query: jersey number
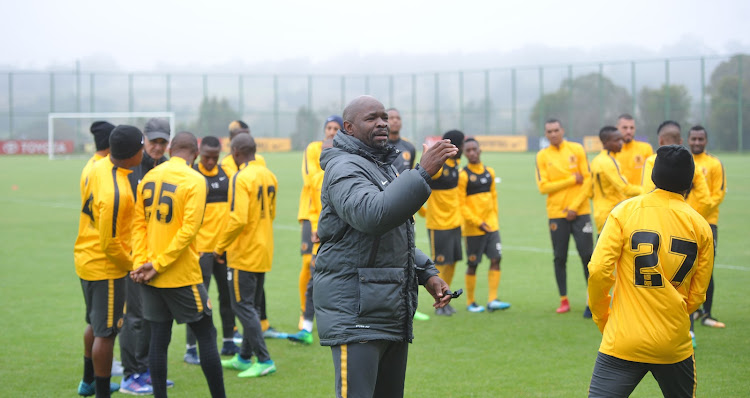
x: 271, y: 192
x: 165, y: 201
x: 645, y: 263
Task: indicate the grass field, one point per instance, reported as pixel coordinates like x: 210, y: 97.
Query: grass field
x: 526, y: 351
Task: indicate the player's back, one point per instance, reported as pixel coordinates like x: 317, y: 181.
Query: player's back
x: 661, y: 267
x: 173, y: 197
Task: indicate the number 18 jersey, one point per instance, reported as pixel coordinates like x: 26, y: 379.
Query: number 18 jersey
x: 658, y: 253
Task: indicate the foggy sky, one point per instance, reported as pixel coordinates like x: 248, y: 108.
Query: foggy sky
x: 143, y: 35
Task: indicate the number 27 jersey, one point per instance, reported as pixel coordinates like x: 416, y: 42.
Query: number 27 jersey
x: 658, y: 253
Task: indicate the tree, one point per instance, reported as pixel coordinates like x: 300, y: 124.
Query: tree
x: 308, y: 128
x: 583, y: 105
x: 725, y: 92
x: 665, y: 103
x: 214, y: 117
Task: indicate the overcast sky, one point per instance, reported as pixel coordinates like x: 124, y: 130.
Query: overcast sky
x: 140, y: 35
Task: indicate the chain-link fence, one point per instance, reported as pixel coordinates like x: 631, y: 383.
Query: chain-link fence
x: 712, y: 91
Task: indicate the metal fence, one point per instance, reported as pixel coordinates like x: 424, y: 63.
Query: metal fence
x: 502, y: 101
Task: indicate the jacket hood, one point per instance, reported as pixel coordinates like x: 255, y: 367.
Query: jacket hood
x: 346, y: 143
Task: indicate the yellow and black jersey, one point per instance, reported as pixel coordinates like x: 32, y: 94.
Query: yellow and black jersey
x: 555, y: 177
x: 169, y: 211
x: 217, y: 208
x: 632, y: 157
x: 316, y: 206
x: 609, y: 186
x: 230, y: 166
x: 406, y: 156
x: 442, y: 207
x: 102, y: 248
x: 477, y: 198
x: 713, y: 171
x: 310, y: 168
x: 87, y: 170
x: 658, y: 253
x: 699, y: 198
x: 248, y: 235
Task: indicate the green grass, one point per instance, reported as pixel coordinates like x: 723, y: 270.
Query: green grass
x: 526, y: 351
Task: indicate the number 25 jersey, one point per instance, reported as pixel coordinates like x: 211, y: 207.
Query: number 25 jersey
x: 658, y: 253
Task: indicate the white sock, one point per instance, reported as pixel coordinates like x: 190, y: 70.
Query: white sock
x: 307, y: 325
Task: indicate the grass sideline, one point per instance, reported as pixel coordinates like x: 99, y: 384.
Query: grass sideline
x: 526, y: 351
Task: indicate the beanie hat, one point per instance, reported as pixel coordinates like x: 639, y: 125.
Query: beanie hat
x: 101, y: 131
x: 157, y: 128
x: 456, y: 137
x: 125, y: 141
x: 335, y: 118
x: 673, y: 168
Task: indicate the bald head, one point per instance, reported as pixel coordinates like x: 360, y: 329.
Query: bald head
x: 365, y: 118
x: 243, y: 148
x: 184, y: 145
x: 669, y: 133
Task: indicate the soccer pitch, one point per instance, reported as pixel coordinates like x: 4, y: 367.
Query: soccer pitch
x: 526, y: 351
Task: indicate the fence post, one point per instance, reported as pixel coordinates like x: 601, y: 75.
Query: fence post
x: 633, y: 89
x: 92, y: 92
x: 275, y: 105
x: 169, y: 92
x: 343, y: 92
x: 52, y: 92
x: 513, y: 100
x: 309, y: 93
x: 570, y: 96
x: 241, y: 95
x: 541, y: 100
x: 740, y: 131
x: 414, y: 104
x: 487, y: 101
x: 130, y: 92
x: 10, y: 104
x: 461, y: 100
x: 367, y: 84
x: 390, y: 92
x: 437, y: 103
x: 600, y: 87
x: 667, y: 100
x: 703, y: 91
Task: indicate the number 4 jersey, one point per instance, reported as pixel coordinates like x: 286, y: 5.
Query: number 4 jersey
x: 658, y: 253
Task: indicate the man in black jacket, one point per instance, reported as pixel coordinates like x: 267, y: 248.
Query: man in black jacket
x: 368, y: 268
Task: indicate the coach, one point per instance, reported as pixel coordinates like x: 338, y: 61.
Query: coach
x: 368, y: 269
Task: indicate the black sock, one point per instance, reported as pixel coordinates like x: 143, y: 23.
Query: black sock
x: 88, y: 370
x: 102, y: 387
x: 161, y: 334
x: 209, y: 354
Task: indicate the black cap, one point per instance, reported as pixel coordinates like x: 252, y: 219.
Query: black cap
x: 101, y: 131
x: 456, y: 137
x: 125, y: 141
x: 157, y: 128
x: 673, y: 169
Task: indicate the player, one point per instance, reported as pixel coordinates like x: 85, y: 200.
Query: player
x: 101, y: 131
x: 169, y: 211
x: 658, y: 253
x: 310, y: 169
x: 228, y: 163
x: 407, y: 152
x: 248, y: 242
x: 562, y: 173
x: 710, y: 166
x: 316, y: 185
x: 136, y: 335
x: 609, y: 186
x: 634, y: 153
x: 477, y: 199
x: 443, y: 217
x: 102, y: 251
x: 214, y: 219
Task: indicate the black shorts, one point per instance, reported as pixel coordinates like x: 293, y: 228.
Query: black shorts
x: 487, y: 244
x: 105, y: 301
x: 307, y: 244
x: 615, y: 377
x: 186, y: 304
x: 445, y: 245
